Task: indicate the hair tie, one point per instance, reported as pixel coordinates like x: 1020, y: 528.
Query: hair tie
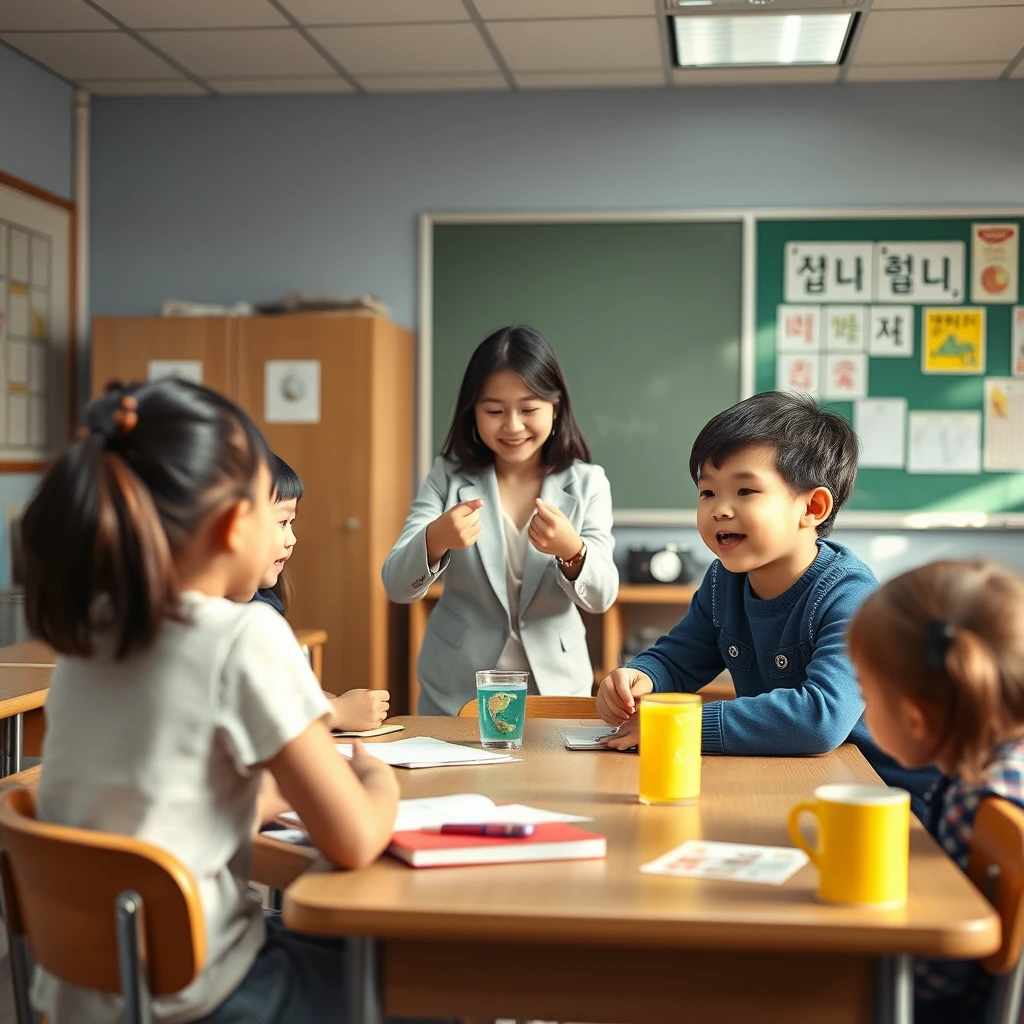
x: 126, y: 415
x: 940, y: 636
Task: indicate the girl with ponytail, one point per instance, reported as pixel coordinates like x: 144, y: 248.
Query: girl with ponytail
x: 939, y: 654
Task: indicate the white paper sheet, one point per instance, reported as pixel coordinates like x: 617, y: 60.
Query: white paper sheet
x: 944, y: 442
x: 427, y: 752
x: 881, y: 425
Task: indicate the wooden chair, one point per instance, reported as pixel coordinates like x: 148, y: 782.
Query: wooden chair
x: 538, y: 706
x: 104, y: 911
x: 997, y: 868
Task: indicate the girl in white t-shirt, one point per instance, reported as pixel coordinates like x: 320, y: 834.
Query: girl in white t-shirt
x: 172, y: 710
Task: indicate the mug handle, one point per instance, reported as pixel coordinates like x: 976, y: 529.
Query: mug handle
x: 797, y: 836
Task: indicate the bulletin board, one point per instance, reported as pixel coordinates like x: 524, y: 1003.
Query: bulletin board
x: 36, y: 324
x: 911, y: 324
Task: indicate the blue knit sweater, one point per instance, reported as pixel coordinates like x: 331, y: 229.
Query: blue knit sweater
x: 796, y: 692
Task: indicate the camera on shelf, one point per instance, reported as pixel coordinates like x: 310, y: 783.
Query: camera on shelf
x: 667, y: 564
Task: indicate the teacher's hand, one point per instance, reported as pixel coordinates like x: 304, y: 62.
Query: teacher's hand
x: 552, y: 534
x: 455, y: 530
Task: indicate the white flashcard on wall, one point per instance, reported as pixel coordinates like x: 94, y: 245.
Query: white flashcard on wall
x: 846, y: 377
x: 797, y: 372
x: 892, y: 331
x: 182, y: 369
x: 292, y: 390
x: 845, y: 328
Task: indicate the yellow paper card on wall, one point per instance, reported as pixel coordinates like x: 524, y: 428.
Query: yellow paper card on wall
x: 954, y: 340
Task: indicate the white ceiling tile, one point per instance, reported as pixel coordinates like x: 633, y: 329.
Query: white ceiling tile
x: 194, y: 13
x: 254, y: 52
x: 275, y: 86
x: 50, y: 16
x: 588, y: 79
x: 142, y: 87
x: 933, y: 36
x: 432, y: 83
x: 578, y: 45
x: 946, y: 72
x: 516, y: 9
x: 755, y: 76
x: 375, y: 12
x: 91, y: 54
x: 896, y: 5
x: 407, y: 49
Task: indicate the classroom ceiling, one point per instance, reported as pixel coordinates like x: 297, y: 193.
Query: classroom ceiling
x: 210, y: 47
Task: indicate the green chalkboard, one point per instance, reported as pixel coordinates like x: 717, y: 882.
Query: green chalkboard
x: 645, y: 318
x: 895, y: 490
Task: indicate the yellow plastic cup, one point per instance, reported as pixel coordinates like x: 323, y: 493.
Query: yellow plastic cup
x: 863, y: 846
x: 670, y: 728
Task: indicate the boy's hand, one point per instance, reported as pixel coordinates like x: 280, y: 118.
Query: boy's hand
x: 625, y: 737
x: 616, y: 696
x: 552, y: 534
x: 359, y: 710
x: 372, y: 772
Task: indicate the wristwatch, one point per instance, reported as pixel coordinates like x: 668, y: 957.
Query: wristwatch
x: 571, y: 563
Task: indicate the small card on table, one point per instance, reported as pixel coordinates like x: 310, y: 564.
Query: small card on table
x: 729, y: 862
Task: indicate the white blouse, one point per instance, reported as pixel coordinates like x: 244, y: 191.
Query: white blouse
x: 513, y: 657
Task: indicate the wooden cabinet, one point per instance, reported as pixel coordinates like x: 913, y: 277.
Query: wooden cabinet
x: 355, y: 463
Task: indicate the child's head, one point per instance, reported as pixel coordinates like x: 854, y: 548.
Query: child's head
x: 772, y: 473
x: 514, y: 405
x: 939, y: 653
x: 165, y: 487
x: 286, y: 490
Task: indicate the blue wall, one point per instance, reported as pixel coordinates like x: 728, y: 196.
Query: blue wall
x: 246, y: 198
x: 36, y: 144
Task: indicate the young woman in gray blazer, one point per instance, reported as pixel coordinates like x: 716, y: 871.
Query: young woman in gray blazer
x: 517, y: 522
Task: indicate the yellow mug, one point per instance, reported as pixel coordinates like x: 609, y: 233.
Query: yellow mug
x: 863, y: 843
x: 670, y: 729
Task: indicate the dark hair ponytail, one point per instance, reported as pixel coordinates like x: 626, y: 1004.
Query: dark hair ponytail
x: 101, y: 534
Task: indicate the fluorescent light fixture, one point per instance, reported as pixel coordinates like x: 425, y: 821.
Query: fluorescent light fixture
x: 760, y: 40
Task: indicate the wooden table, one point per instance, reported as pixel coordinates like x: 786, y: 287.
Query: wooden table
x: 23, y: 690
x: 598, y: 941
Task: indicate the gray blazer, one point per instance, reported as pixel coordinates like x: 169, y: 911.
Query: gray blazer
x: 469, y: 627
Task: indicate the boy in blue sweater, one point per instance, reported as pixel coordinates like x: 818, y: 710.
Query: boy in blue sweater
x: 774, y: 607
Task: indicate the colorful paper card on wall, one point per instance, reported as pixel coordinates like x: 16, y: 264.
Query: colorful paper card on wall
x: 829, y: 271
x: 1004, y: 425
x: 846, y: 377
x: 1018, y: 341
x: 891, y: 331
x: 920, y: 272
x: 845, y: 328
x: 795, y: 371
x: 797, y: 328
x: 995, y: 259
x: 954, y: 341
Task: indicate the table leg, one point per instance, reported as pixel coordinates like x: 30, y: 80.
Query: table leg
x: 12, y: 745
x: 894, y: 990
x: 366, y: 980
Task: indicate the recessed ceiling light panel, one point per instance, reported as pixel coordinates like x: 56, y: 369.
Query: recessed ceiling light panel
x: 761, y: 40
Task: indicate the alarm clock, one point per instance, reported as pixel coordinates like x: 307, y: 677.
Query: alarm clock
x: 669, y: 564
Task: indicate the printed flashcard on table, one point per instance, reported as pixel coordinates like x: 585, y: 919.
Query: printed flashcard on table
x: 845, y: 328
x: 729, y: 862
x: 1004, y: 425
x: 797, y: 328
x: 891, y: 331
x: 920, y: 272
x: 881, y: 425
x: 1017, y: 355
x: 944, y: 442
x: 953, y: 341
x: 796, y: 372
x: 828, y: 271
x: 995, y: 258
x: 846, y: 377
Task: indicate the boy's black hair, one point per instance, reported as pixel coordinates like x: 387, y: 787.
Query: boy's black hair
x: 524, y: 351
x: 813, y: 447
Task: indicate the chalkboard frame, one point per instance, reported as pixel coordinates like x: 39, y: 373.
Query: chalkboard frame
x: 748, y: 218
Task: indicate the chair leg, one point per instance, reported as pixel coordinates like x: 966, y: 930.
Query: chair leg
x: 894, y: 990
x: 365, y: 976
x: 131, y: 957
x: 21, y: 978
x: 1005, y: 1001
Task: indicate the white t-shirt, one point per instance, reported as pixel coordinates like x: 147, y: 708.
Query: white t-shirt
x: 164, y: 745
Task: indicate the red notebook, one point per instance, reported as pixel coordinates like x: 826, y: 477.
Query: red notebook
x: 556, y: 841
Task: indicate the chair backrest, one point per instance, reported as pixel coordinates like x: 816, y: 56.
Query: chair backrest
x: 539, y: 706
x: 59, y: 887
x: 997, y: 868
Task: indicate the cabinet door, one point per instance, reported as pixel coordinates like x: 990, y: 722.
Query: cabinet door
x: 124, y: 347
x: 330, y: 567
